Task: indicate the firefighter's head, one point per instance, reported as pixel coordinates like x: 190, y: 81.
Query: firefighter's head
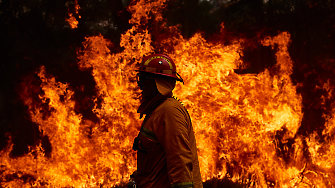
x: 157, y: 73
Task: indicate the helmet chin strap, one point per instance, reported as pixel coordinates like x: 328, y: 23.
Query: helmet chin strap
x: 181, y: 79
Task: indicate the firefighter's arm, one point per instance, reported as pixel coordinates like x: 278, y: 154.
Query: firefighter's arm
x: 173, y: 134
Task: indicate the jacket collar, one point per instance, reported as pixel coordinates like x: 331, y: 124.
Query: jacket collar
x: 148, y: 106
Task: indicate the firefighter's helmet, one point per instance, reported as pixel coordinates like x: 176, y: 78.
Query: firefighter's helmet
x: 160, y: 64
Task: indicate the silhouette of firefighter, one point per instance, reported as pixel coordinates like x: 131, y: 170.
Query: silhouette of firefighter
x: 166, y: 145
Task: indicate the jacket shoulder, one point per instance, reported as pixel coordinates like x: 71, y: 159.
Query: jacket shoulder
x: 171, y: 107
x: 170, y: 104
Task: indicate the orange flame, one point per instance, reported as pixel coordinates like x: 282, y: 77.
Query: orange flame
x: 72, y: 19
x: 241, y: 122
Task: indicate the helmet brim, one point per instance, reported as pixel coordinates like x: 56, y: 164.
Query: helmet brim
x: 176, y: 77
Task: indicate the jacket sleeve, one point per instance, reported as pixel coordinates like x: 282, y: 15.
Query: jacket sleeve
x: 173, y: 135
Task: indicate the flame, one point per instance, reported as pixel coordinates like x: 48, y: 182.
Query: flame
x: 245, y: 125
x: 235, y: 117
x: 72, y: 19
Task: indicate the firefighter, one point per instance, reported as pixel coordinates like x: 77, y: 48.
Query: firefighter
x: 166, y: 145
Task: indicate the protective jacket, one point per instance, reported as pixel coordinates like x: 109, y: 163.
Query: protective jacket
x: 167, y: 153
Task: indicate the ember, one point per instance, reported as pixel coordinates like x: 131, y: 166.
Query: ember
x: 72, y: 19
x: 249, y: 127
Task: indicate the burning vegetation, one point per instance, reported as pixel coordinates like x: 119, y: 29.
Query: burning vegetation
x: 258, y: 122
